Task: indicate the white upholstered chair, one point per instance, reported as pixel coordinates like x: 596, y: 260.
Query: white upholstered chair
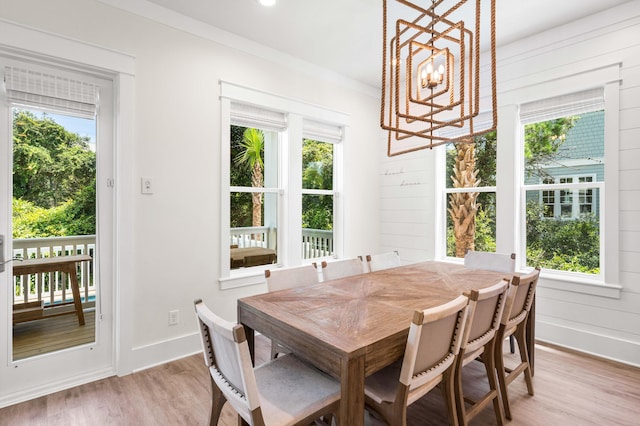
x: 341, y: 268
x: 513, y: 323
x: 479, y: 338
x: 377, y: 262
x: 286, y: 278
x: 498, y: 262
x: 429, y: 359
x: 283, y: 391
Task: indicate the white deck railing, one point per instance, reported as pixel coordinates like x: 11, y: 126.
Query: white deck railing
x: 53, y: 287
x: 315, y: 242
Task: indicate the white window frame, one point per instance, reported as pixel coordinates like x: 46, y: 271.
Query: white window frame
x: 510, y: 188
x: 290, y: 186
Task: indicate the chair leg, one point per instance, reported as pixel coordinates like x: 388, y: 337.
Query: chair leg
x: 448, y: 393
x: 217, y: 402
x: 502, y: 383
x: 512, y: 346
x: 490, y: 365
x: 524, y: 356
x: 460, y: 407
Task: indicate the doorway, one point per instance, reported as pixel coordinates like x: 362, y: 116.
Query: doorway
x: 57, y: 222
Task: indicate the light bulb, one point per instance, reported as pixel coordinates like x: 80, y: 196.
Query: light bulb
x: 267, y: 2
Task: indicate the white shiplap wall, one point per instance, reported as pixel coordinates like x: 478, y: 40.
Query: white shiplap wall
x: 606, y: 326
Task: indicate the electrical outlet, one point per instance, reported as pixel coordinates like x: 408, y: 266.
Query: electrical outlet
x: 173, y: 317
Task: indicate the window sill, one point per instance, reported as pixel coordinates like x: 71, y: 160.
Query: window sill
x: 242, y: 280
x: 557, y: 281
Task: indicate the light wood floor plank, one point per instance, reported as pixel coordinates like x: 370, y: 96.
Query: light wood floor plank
x: 571, y: 389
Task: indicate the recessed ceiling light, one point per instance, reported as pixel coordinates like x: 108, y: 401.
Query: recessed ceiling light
x: 267, y: 2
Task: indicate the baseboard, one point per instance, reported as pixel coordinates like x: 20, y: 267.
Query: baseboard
x: 601, y: 346
x: 158, y: 353
x: 36, y: 392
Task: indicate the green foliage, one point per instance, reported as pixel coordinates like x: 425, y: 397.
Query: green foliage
x: 50, y: 163
x: 542, y: 142
x: 563, y: 244
x: 53, y: 179
x: 317, y: 173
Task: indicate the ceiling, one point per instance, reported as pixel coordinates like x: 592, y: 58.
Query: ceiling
x: 345, y: 36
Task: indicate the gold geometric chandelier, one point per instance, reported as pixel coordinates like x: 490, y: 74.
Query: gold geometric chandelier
x: 432, y: 73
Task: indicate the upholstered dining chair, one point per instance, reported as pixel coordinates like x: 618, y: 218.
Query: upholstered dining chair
x: 429, y: 359
x: 283, y: 391
x: 377, y: 262
x: 286, y: 278
x: 479, y: 340
x: 341, y: 268
x: 513, y: 323
x: 498, y: 262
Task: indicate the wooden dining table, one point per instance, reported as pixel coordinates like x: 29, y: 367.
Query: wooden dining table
x: 354, y: 326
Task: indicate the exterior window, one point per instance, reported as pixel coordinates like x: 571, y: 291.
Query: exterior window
x: 281, y: 176
x: 317, y: 199
x: 563, y: 183
x: 471, y: 196
x: 253, y: 225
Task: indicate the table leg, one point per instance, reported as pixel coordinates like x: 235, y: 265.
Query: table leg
x: 251, y: 341
x: 75, y: 288
x: 352, y: 392
x: 531, y: 335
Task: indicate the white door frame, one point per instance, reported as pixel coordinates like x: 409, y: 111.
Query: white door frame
x: 26, y: 43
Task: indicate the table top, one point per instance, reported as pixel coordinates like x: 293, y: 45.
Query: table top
x: 48, y: 262
x: 355, y: 313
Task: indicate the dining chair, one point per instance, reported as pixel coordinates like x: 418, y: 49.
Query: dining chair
x: 283, y: 391
x: 286, y: 278
x: 377, y: 262
x: 498, y: 262
x: 341, y: 268
x: 433, y: 343
x: 513, y: 323
x: 479, y: 340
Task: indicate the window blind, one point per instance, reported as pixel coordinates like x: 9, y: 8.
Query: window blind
x: 562, y: 106
x: 322, y: 131
x: 51, y: 91
x: 251, y: 116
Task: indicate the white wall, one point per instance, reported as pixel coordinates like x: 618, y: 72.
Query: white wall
x: 176, y: 119
x: 568, y: 314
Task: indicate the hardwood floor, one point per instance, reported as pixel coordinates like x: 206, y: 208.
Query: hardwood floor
x: 571, y: 389
x: 52, y: 334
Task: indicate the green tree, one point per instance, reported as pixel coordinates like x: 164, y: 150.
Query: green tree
x: 50, y: 164
x: 53, y: 179
x: 251, y: 157
x: 317, y: 173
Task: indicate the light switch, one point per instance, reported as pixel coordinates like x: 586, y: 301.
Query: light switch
x: 146, y: 186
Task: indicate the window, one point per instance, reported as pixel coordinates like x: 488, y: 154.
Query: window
x: 253, y: 196
x: 470, y: 192
x: 571, y: 203
x: 563, y: 169
x: 281, y: 206
x: 317, y: 199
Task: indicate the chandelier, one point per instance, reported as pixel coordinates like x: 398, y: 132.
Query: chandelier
x: 432, y: 73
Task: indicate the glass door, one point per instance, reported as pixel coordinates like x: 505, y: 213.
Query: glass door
x: 57, y: 225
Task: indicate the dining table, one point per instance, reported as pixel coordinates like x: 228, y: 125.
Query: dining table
x: 354, y: 326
